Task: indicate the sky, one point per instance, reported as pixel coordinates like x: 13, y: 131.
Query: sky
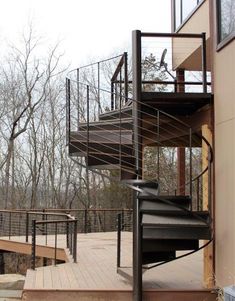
x: 87, y: 29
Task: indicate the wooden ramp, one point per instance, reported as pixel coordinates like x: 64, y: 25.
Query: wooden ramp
x: 94, y: 277
x: 17, y: 246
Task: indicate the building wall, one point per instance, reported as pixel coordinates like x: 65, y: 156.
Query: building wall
x: 224, y: 99
x: 186, y: 52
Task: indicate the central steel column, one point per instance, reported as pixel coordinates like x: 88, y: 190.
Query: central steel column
x: 137, y: 235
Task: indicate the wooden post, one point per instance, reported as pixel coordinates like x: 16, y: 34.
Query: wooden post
x: 180, y: 150
x: 208, y: 278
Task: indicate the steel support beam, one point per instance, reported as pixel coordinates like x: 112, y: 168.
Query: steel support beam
x: 137, y: 236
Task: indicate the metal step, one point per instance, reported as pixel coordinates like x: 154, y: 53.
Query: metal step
x: 102, y: 137
x: 126, y: 112
x: 161, y: 245
x: 104, y: 161
x: 176, y: 227
x: 153, y: 257
x: 109, y: 124
x: 159, y: 207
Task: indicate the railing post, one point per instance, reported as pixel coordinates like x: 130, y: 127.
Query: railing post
x: 125, y: 76
x: 9, y: 234
x: 119, y: 218
x: 85, y: 220
x: 190, y: 166
x: 112, y: 96
x: 55, y: 254
x: 137, y: 89
x: 68, y: 111
x: 99, y: 106
x: 78, y: 99
x: 75, y: 240
x: 67, y: 234
x: 27, y: 227
x: 104, y: 221
x: 204, y: 67
x: 33, y: 253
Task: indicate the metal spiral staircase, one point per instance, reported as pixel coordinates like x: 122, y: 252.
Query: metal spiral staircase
x: 110, y: 128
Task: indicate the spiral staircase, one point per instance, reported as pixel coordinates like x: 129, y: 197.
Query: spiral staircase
x: 114, y: 137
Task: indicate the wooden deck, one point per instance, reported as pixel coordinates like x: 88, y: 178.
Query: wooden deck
x: 94, y: 276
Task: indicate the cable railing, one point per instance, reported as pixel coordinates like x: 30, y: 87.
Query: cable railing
x: 165, y: 131
x: 58, y: 228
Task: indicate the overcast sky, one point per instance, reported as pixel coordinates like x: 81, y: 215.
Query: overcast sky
x: 88, y: 28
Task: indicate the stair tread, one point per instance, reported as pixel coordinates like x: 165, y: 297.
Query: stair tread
x: 102, y: 136
x: 108, y: 121
x: 172, y: 221
x: 156, y: 206
x: 150, y: 193
x: 142, y: 183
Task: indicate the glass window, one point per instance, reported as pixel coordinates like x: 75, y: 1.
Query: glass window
x: 177, y: 13
x: 226, y: 10
x: 188, y: 7
x: 183, y: 8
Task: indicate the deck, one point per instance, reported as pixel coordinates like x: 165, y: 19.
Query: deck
x: 94, y: 276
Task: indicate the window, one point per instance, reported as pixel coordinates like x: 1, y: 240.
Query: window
x: 226, y: 19
x: 183, y: 9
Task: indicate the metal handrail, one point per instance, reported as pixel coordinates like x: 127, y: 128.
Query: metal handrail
x: 71, y: 243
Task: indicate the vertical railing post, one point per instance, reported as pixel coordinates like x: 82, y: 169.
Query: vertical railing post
x: 68, y: 109
x: 85, y: 220
x: 9, y: 233
x: 55, y: 254
x: 27, y: 227
x: 119, y: 218
x: 104, y: 221
x: 112, y: 96
x: 78, y: 99
x: 137, y: 89
x: 125, y: 77
x: 158, y: 147
x: 99, y: 105
x: 190, y: 167
x: 75, y: 240
x: 33, y: 253
x: 136, y: 109
x: 204, y: 67
x: 67, y: 234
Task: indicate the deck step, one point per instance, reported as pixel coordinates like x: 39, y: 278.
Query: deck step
x: 10, y: 295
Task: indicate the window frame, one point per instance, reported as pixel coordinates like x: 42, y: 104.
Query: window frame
x: 182, y: 21
x: 221, y: 43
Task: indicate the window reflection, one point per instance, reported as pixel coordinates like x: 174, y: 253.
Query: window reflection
x: 227, y: 18
x: 183, y: 8
x: 188, y: 7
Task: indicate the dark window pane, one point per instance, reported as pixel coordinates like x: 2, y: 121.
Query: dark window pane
x: 188, y: 7
x: 227, y: 18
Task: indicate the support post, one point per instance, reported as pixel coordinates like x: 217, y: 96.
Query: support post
x: 180, y: 76
x: 208, y: 268
x: 137, y: 237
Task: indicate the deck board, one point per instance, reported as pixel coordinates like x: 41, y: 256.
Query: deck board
x: 95, y: 269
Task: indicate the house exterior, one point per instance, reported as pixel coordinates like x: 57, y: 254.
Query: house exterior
x: 217, y: 19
